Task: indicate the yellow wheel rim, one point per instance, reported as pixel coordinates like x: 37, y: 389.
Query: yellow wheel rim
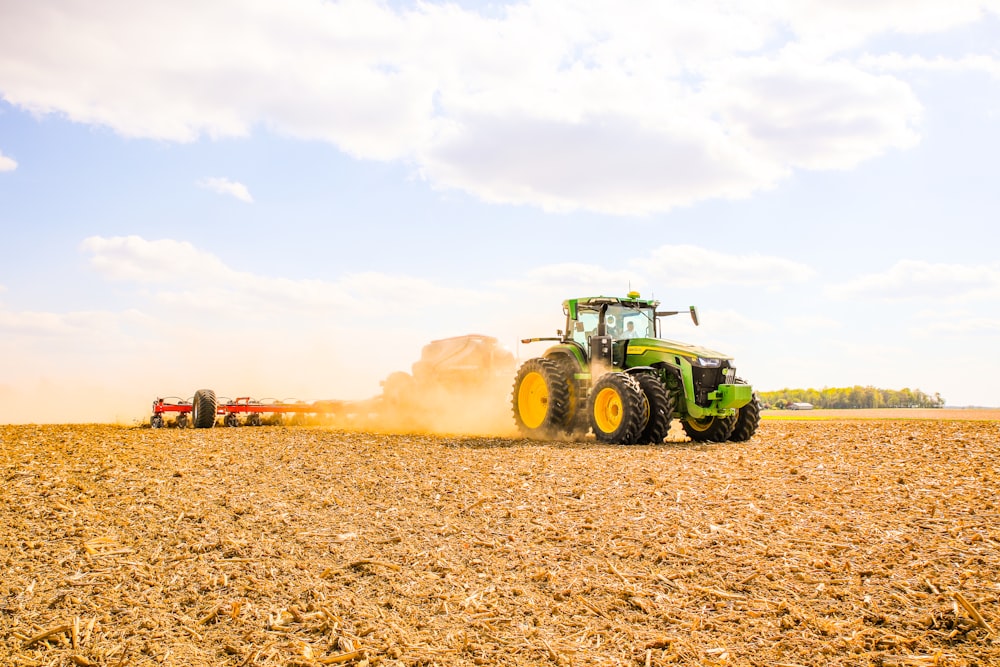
x: 608, y: 410
x: 533, y: 400
x: 701, y: 425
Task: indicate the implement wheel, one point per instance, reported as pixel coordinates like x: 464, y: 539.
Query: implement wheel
x: 661, y: 409
x: 710, y: 429
x: 540, y: 399
x: 747, y: 419
x: 618, y: 410
x: 203, y: 408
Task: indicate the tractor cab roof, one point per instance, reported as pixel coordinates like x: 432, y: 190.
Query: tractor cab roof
x: 571, y: 306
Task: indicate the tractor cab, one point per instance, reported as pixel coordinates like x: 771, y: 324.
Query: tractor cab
x: 601, y: 326
x: 609, y: 316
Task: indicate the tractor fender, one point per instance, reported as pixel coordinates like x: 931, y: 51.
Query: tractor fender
x: 639, y: 369
x: 573, y: 352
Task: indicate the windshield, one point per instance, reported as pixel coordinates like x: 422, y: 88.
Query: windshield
x: 629, y: 322
x: 622, y: 321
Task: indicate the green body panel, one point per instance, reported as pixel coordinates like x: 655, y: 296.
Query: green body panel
x: 659, y: 353
x: 647, y: 351
x: 733, y: 395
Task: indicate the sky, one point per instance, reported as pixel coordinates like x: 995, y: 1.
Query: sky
x: 289, y: 199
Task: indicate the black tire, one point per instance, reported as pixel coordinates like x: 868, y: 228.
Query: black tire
x: 254, y: 419
x: 617, y: 409
x: 203, y: 408
x: 661, y: 409
x: 182, y: 420
x: 156, y: 421
x: 231, y: 420
x: 747, y: 419
x: 540, y: 399
x: 710, y: 429
x: 577, y: 422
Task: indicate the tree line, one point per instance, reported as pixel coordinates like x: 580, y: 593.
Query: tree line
x: 851, y: 397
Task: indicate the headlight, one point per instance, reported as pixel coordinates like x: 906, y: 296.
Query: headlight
x: 708, y: 363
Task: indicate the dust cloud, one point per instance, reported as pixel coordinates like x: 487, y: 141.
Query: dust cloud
x: 459, y: 385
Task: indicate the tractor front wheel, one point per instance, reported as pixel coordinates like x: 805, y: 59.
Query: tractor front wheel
x: 203, y: 408
x: 540, y: 399
x: 710, y: 429
x: 747, y: 419
x: 661, y: 409
x: 618, y: 410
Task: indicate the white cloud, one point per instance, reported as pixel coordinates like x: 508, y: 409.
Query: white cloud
x: 915, y: 279
x: 33, y: 323
x: 89, y: 327
x: 566, y: 277
x: 182, y: 275
x: 224, y: 186
x: 562, y: 105
x: 971, y: 326
x: 729, y: 322
x: 693, y: 266
x: 957, y: 322
x: 895, y: 62
x: 134, y: 259
x: 810, y: 323
x: 7, y: 163
x: 832, y: 27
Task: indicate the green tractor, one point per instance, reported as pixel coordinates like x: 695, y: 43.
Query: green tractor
x: 610, y: 372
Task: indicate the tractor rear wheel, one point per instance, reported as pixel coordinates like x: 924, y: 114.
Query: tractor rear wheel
x: 661, y: 409
x: 540, y: 399
x: 710, y: 429
x: 203, y: 407
x: 618, y: 411
x: 576, y: 418
x: 747, y: 419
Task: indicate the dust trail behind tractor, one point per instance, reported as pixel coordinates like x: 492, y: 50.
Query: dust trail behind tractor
x: 460, y: 384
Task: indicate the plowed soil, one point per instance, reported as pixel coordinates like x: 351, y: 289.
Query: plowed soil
x: 868, y: 542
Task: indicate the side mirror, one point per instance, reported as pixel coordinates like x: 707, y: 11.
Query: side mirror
x: 694, y: 315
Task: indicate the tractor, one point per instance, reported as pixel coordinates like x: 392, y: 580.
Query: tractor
x: 610, y: 372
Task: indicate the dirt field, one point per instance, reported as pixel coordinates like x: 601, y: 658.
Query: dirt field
x: 837, y: 542
x: 961, y: 414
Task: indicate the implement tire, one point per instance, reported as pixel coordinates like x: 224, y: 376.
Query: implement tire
x: 203, y: 408
x: 747, y: 419
x: 540, y: 399
x: 661, y: 409
x: 618, y: 410
x: 710, y: 429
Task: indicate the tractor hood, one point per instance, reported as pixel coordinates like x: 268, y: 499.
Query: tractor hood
x: 672, y: 347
